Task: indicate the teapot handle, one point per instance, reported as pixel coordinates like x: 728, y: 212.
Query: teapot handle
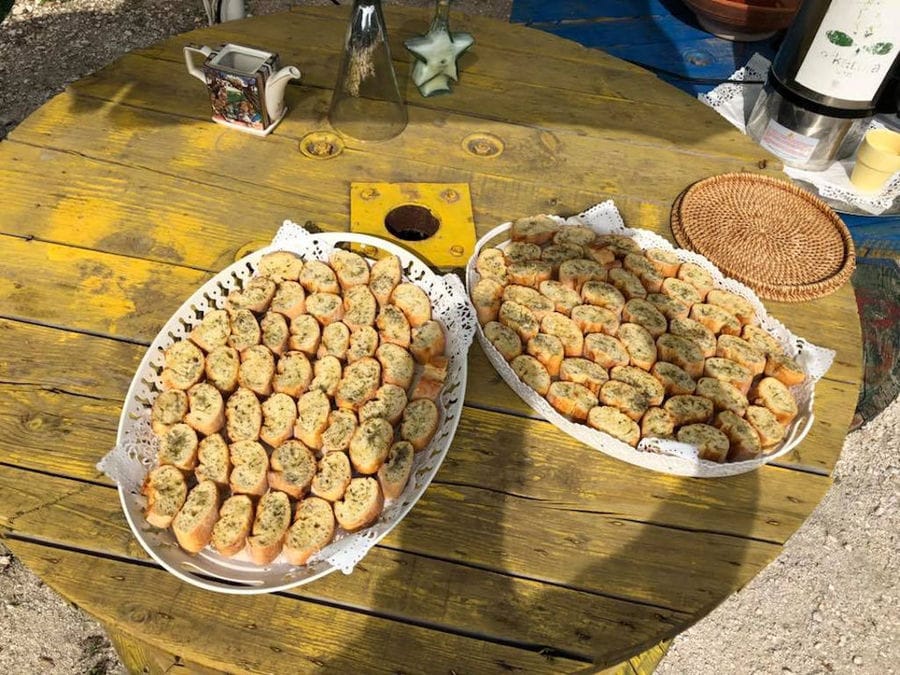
x: 192, y: 68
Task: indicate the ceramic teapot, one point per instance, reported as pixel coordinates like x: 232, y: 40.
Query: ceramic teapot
x: 246, y: 86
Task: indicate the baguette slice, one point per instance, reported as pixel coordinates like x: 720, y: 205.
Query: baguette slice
x: 540, y: 305
x: 243, y: 416
x: 571, y: 399
x: 620, y: 244
x: 229, y: 535
x: 312, y: 417
x: 697, y: 333
x: 657, y: 423
x: 665, y: 262
x: 279, y: 414
x: 213, y: 331
x: 556, y: 254
x: 487, y: 295
x: 255, y: 296
x: 397, y: 365
x: 741, y: 351
x: 602, y: 294
x: 785, y: 369
x: 770, y: 430
x: 548, y: 349
x: 491, y: 264
x: 332, y: 477
x: 520, y: 319
x: 628, y: 284
x: 389, y: 403
x: 274, y: 332
x: 393, y: 326
x: 413, y: 302
x: 341, y: 426
x: 614, y: 422
x: 222, y: 367
x: 426, y: 387
x: 579, y: 235
x: 214, y: 463
x: 639, y: 344
x: 273, y: 517
x: 168, y: 408
x: 529, y: 273
x: 724, y: 396
x: 293, y: 466
x: 420, y: 422
x: 682, y: 352
x: 521, y: 251
x: 697, y: 277
x: 289, y: 299
x: 566, y: 330
x: 669, y: 308
x: 605, y: 350
x: 728, y: 371
x: 279, y: 266
x: 183, y: 366
x: 575, y: 273
x: 370, y: 444
x: 733, y: 304
x: 293, y: 374
x: 317, y: 277
x: 384, y: 277
x: 335, y: 341
x: 351, y: 269
x: 194, y: 523
x: 627, y: 398
x: 327, y: 371
x: 772, y: 394
x: 760, y: 339
x: 165, y: 490
x: 178, y: 447
x: 711, y: 443
x: 394, y: 473
x: 361, y: 505
x: 250, y: 467
x: 360, y: 307
x: 681, y: 291
x: 207, y: 409
x: 325, y: 307
x: 642, y: 381
x: 584, y: 372
x: 715, y: 318
x: 358, y: 384
x: 531, y: 372
x: 305, y: 334
x: 312, y: 530
x: 593, y: 319
x: 257, y: 370
x: 562, y: 297
x: 505, y: 339
x: 534, y: 229
x: 674, y: 380
x: 644, y: 313
x: 428, y: 341
x: 742, y: 437
x: 245, y: 330
x: 363, y: 342
x: 689, y: 409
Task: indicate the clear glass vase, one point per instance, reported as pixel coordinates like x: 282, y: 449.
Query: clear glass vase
x: 366, y: 103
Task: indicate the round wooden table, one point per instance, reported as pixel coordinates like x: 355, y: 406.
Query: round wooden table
x: 530, y: 551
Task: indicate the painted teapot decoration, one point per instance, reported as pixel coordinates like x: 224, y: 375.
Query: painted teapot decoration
x: 246, y: 86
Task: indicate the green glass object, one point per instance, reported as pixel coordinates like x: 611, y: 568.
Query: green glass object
x: 366, y: 103
x: 437, y: 52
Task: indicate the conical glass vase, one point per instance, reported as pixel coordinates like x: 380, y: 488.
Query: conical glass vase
x: 366, y: 103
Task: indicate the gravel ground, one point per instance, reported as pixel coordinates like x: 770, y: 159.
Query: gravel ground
x: 828, y: 604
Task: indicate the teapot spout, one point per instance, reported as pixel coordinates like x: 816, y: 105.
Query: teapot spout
x: 275, y: 90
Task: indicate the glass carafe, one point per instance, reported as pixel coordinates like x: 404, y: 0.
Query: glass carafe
x: 366, y: 103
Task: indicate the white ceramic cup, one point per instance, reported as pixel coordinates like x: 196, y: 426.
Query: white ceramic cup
x: 877, y: 159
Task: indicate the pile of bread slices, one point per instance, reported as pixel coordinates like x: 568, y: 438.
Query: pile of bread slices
x: 296, y: 409
x: 634, y: 343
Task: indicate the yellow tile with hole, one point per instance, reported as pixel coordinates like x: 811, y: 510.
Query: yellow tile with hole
x: 433, y: 220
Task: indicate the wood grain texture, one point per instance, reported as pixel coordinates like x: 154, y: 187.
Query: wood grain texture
x: 530, y: 551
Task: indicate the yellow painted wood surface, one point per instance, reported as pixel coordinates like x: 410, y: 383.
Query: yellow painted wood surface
x: 530, y: 550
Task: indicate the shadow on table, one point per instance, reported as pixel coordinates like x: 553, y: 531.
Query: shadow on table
x: 529, y: 506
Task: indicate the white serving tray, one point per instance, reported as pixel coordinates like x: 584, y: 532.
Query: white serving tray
x: 136, y: 445
x: 661, y: 455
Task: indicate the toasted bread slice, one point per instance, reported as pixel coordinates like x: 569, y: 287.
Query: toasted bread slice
x: 305, y: 334
x: 413, y: 302
x: 644, y: 313
x: 393, y: 326
x: 540, y: 305
x: 335, y: 341
x: 724, y: 396
x: 682, y: 352
x: 243, y: 416
x: 774, y: 395
x: 426, y: 387
x: 420, y: 422
x: 289, y: 299
x: 388, y: 403
x: 229, y: 535
x: 292, y: 468
x: 742, y: 437
x: 681, y: 291
x: 556, y: 254
x: 669, y: 308
x: 325, y: 307
x: 257, y: 370
x: 620, y: 244
x: 529, y: 273
x: 255, y: 295
x: 360, y: 307
x: 245, y: 330
x: 579, y: 235
x: 312, y: 417
x: 741, y: 351
x: 674, y: 380
x: 697, y: 277
x: 280, y: 265
x: 436, y: 368
x: 293, y: 374
x: 312, y: 530
x: 250, y: 465
x: 715, y: 318
x: 274, y: 332
x: 279, y: 414
x: 273, y: 517
x: 605, y: 350
x: 363, y: 342
x: 428, y: 341
x: 317, y: 277
x: 562, y: 297
x: 639, y: 344
x: 657, y: 423
x: 593, y: 319
x: 351, y: 269
x: 520, y: 251
x: 575, y: 273
x: 583, y: 371
x: 358, y: 384
x: 341, y: 426
x: 213, y: 331
x: 178, y: 447
x: 168, y: 408
x: 600, y: 253
x: 627, y: 398
x: 332, y: 477
x: 487, y: 295
x: 370, y: 444
x: 491, y: 264
x: 361, y: 505
x: 770, y: 430
x: 566, y: 330
x: 643, y: 381
x: 213, y: 460
x: 697, y: 333
x: 384, y: 276
x: 689, y: 409
x: 194, y: 523
x: 604, y: 295
x: 785, y: 369
x: 505, y: 339
x: 165, y: 489
x: 327, y: 371
x: 534, y: 229
x: 728, y: 371
x: 665, y: 262
x: 614, y: 422
x: 711, y: 443
x: 532, y: 372
x: 628, y: 284
x: 394, y: 473
x: 733, y: 304
x: 207, y: 409
x: 761, y: 339
x: 397, y: 365
x: 548, y: 349
x: 183, y: 366
x: 571, y: 399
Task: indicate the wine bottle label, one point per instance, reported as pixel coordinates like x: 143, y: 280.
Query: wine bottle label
x: 853, y: 49
x: 787, y: 144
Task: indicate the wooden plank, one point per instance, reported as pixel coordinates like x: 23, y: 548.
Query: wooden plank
x: 451, y: 595
x: 211, y: 629
x: 140, y: 657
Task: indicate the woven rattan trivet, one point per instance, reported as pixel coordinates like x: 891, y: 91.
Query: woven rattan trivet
x: 781, y: 241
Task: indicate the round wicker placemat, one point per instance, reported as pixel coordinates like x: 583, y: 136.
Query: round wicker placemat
x: 778, y: 239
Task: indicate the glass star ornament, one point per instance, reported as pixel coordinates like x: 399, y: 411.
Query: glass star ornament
x: 437, y: 52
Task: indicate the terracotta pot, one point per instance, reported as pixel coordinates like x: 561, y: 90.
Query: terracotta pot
x: 744, y: 20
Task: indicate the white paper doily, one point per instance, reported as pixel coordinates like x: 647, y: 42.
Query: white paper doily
x: 657, y: 454
x: 735, y: 101
x: 135, y: 452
